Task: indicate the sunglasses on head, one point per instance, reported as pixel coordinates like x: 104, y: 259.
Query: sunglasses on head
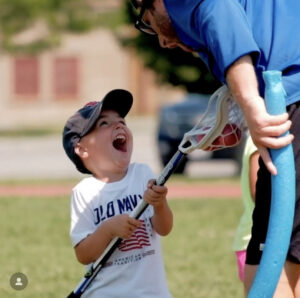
x: 140, y: 24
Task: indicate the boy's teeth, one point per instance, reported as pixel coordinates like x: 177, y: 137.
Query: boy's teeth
x: 120, y: 137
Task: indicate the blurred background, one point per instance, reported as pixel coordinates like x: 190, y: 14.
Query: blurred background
x: 57, y: 55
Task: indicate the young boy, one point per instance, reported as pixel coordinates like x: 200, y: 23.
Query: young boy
x: 99, y: 143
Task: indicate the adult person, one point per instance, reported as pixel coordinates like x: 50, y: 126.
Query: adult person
x: 238, y: 40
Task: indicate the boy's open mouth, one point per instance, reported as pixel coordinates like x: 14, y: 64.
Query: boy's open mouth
x: 119, y: 143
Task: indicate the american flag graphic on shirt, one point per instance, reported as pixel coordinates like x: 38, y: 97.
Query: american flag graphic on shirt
x: 138, y: 240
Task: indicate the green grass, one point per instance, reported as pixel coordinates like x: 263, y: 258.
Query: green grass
x: 30, y: 132
x: 198, y: 256
x: 40, y: 182
x: 176, y: 179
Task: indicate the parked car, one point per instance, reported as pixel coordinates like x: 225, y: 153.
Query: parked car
x: 177, y: 119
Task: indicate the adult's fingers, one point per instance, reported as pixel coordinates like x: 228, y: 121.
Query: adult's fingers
x: 265, y: 155
x: 276, y: 143
x: 278, y: 119
x: 277, y: 130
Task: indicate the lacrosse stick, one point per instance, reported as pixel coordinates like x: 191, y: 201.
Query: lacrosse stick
x: 221, y: 126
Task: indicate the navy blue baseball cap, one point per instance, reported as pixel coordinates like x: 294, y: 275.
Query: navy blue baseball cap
x: 84, y: 120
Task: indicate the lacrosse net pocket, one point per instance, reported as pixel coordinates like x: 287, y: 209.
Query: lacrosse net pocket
x: 221, y: 126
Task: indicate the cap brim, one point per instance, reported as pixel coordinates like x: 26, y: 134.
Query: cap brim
x: 118, y: 100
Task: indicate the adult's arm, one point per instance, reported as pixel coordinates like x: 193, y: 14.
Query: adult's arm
x: 264, y: 128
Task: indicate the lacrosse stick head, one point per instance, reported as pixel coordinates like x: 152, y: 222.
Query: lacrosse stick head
x: 221, y: 125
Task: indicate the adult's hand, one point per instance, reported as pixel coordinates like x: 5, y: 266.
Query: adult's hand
x: 264, y: 128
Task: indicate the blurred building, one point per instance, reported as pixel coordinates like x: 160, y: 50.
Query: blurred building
x: 44, y: 89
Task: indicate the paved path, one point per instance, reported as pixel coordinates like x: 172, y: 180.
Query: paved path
x: 40, y: 158
x: 44, y: 157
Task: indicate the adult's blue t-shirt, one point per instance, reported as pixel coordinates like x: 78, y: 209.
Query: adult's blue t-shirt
x: 222, y: 31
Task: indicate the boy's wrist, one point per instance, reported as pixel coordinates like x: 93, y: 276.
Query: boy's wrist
x: 107, y: 230
x: 161, y: 207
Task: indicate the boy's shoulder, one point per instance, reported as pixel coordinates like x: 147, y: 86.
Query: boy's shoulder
x: 140, y: 169
x: 134, y: 168
x: 139, y: 166
x: 91, y: 184
x: 88, y: 182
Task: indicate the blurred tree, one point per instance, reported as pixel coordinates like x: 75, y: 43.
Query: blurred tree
x: 175, y: 66
x: 48, y: 19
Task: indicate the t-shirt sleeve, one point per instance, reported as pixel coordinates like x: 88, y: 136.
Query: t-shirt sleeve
x: 81, y: 218
x: 226, y: 33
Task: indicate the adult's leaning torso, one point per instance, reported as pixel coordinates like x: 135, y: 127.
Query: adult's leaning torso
x: 222, y: 31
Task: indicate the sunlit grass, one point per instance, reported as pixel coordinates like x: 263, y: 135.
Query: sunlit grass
x: 198, y: 256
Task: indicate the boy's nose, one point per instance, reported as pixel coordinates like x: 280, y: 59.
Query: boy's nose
x: 119, y: 125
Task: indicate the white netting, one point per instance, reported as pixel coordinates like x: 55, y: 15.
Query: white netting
x: 229, y: 137
x: 221, y: 125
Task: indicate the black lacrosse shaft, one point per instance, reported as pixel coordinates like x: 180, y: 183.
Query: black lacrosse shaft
x: 90, y: 275
x: 161, y: 180
x: 73, y: 295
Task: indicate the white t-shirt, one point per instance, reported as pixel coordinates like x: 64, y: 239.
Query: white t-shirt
x: 135, y: 269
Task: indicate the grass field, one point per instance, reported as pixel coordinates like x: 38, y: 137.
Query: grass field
x: 198, y: 255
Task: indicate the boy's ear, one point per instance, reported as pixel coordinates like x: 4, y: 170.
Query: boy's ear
x: 80, y: 150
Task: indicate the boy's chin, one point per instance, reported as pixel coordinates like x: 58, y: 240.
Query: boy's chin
x: 124, y: 161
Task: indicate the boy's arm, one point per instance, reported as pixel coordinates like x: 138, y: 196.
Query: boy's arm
x: 162, y: 220
x: 90, y: 248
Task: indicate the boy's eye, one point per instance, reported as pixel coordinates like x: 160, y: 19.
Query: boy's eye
x: 102, y: 123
